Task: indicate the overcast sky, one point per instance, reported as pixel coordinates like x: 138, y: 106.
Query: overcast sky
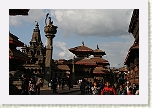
x: 106, y: 27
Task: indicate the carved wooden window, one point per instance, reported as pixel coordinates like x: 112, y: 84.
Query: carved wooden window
x: 131, y: 66
x: 136, y: 61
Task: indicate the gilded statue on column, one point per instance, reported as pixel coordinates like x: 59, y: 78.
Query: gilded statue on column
x: 49, y: 28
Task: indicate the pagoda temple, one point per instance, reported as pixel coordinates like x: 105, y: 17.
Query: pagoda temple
x: 82, y: 66
x: 102, y: 70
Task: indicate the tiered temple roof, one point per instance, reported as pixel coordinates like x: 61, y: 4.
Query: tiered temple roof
x: 61, y: 65
x: 97, y: 62
x: 98, y: 53
x: 86, y: 62
x: 81, y: 51
x: 100, y: 60
x: 99, y: 70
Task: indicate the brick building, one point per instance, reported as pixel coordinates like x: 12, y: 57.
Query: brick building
x: 132, y: 59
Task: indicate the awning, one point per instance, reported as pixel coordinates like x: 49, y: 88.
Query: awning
x: 14, y: 40
x: 67, y: 72
x: 63, y: 67
x: 18, y: 11
x: 16, y: 54
x: 17, y: 43
x: 99, y: 72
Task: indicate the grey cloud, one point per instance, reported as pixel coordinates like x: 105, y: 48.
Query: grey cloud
x: 34, y: 15
x: 100, y: 22
x: 117, y: 51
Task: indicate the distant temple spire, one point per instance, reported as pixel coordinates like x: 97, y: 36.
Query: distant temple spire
x: 36, y: 37
x: 37, y: 25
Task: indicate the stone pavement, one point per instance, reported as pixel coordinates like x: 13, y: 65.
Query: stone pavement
x: 65, y: 91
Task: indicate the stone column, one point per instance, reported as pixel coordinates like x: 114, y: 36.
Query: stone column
x: 48, y: 59
x: 50, y: 31
x: 73, y: 72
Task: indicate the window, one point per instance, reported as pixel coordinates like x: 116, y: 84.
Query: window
x: 38, y: 52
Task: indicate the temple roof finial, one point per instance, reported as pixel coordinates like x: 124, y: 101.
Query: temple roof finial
x: 37, y: 25
x: 82, y: 43
x: 97, y: 46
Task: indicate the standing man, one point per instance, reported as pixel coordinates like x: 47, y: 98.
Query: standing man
x: 121, y: 90
x: 24, y: 85
x: 82, y: 87
x: 68, y: 82
x: 128, y: 86
x: 38, y: 85
x: 63, y: 82
x: 54, y: 81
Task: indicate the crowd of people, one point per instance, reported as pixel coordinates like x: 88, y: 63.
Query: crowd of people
x: 57, y: 82
x: 107, y: 88
x: 31, y: 85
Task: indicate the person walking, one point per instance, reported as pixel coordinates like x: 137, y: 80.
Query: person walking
x: 63, y: 82
x: 90, y: 86
x: 32, y: 86
x: 59, y: 82
x: 134, y: 88
x: 69, y: 82
x: 54, y: 84
x: 38, y: 85
x: 108, y: 90
x: 87, y: 88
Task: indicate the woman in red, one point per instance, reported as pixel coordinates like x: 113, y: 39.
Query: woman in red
x: 108, y: 90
